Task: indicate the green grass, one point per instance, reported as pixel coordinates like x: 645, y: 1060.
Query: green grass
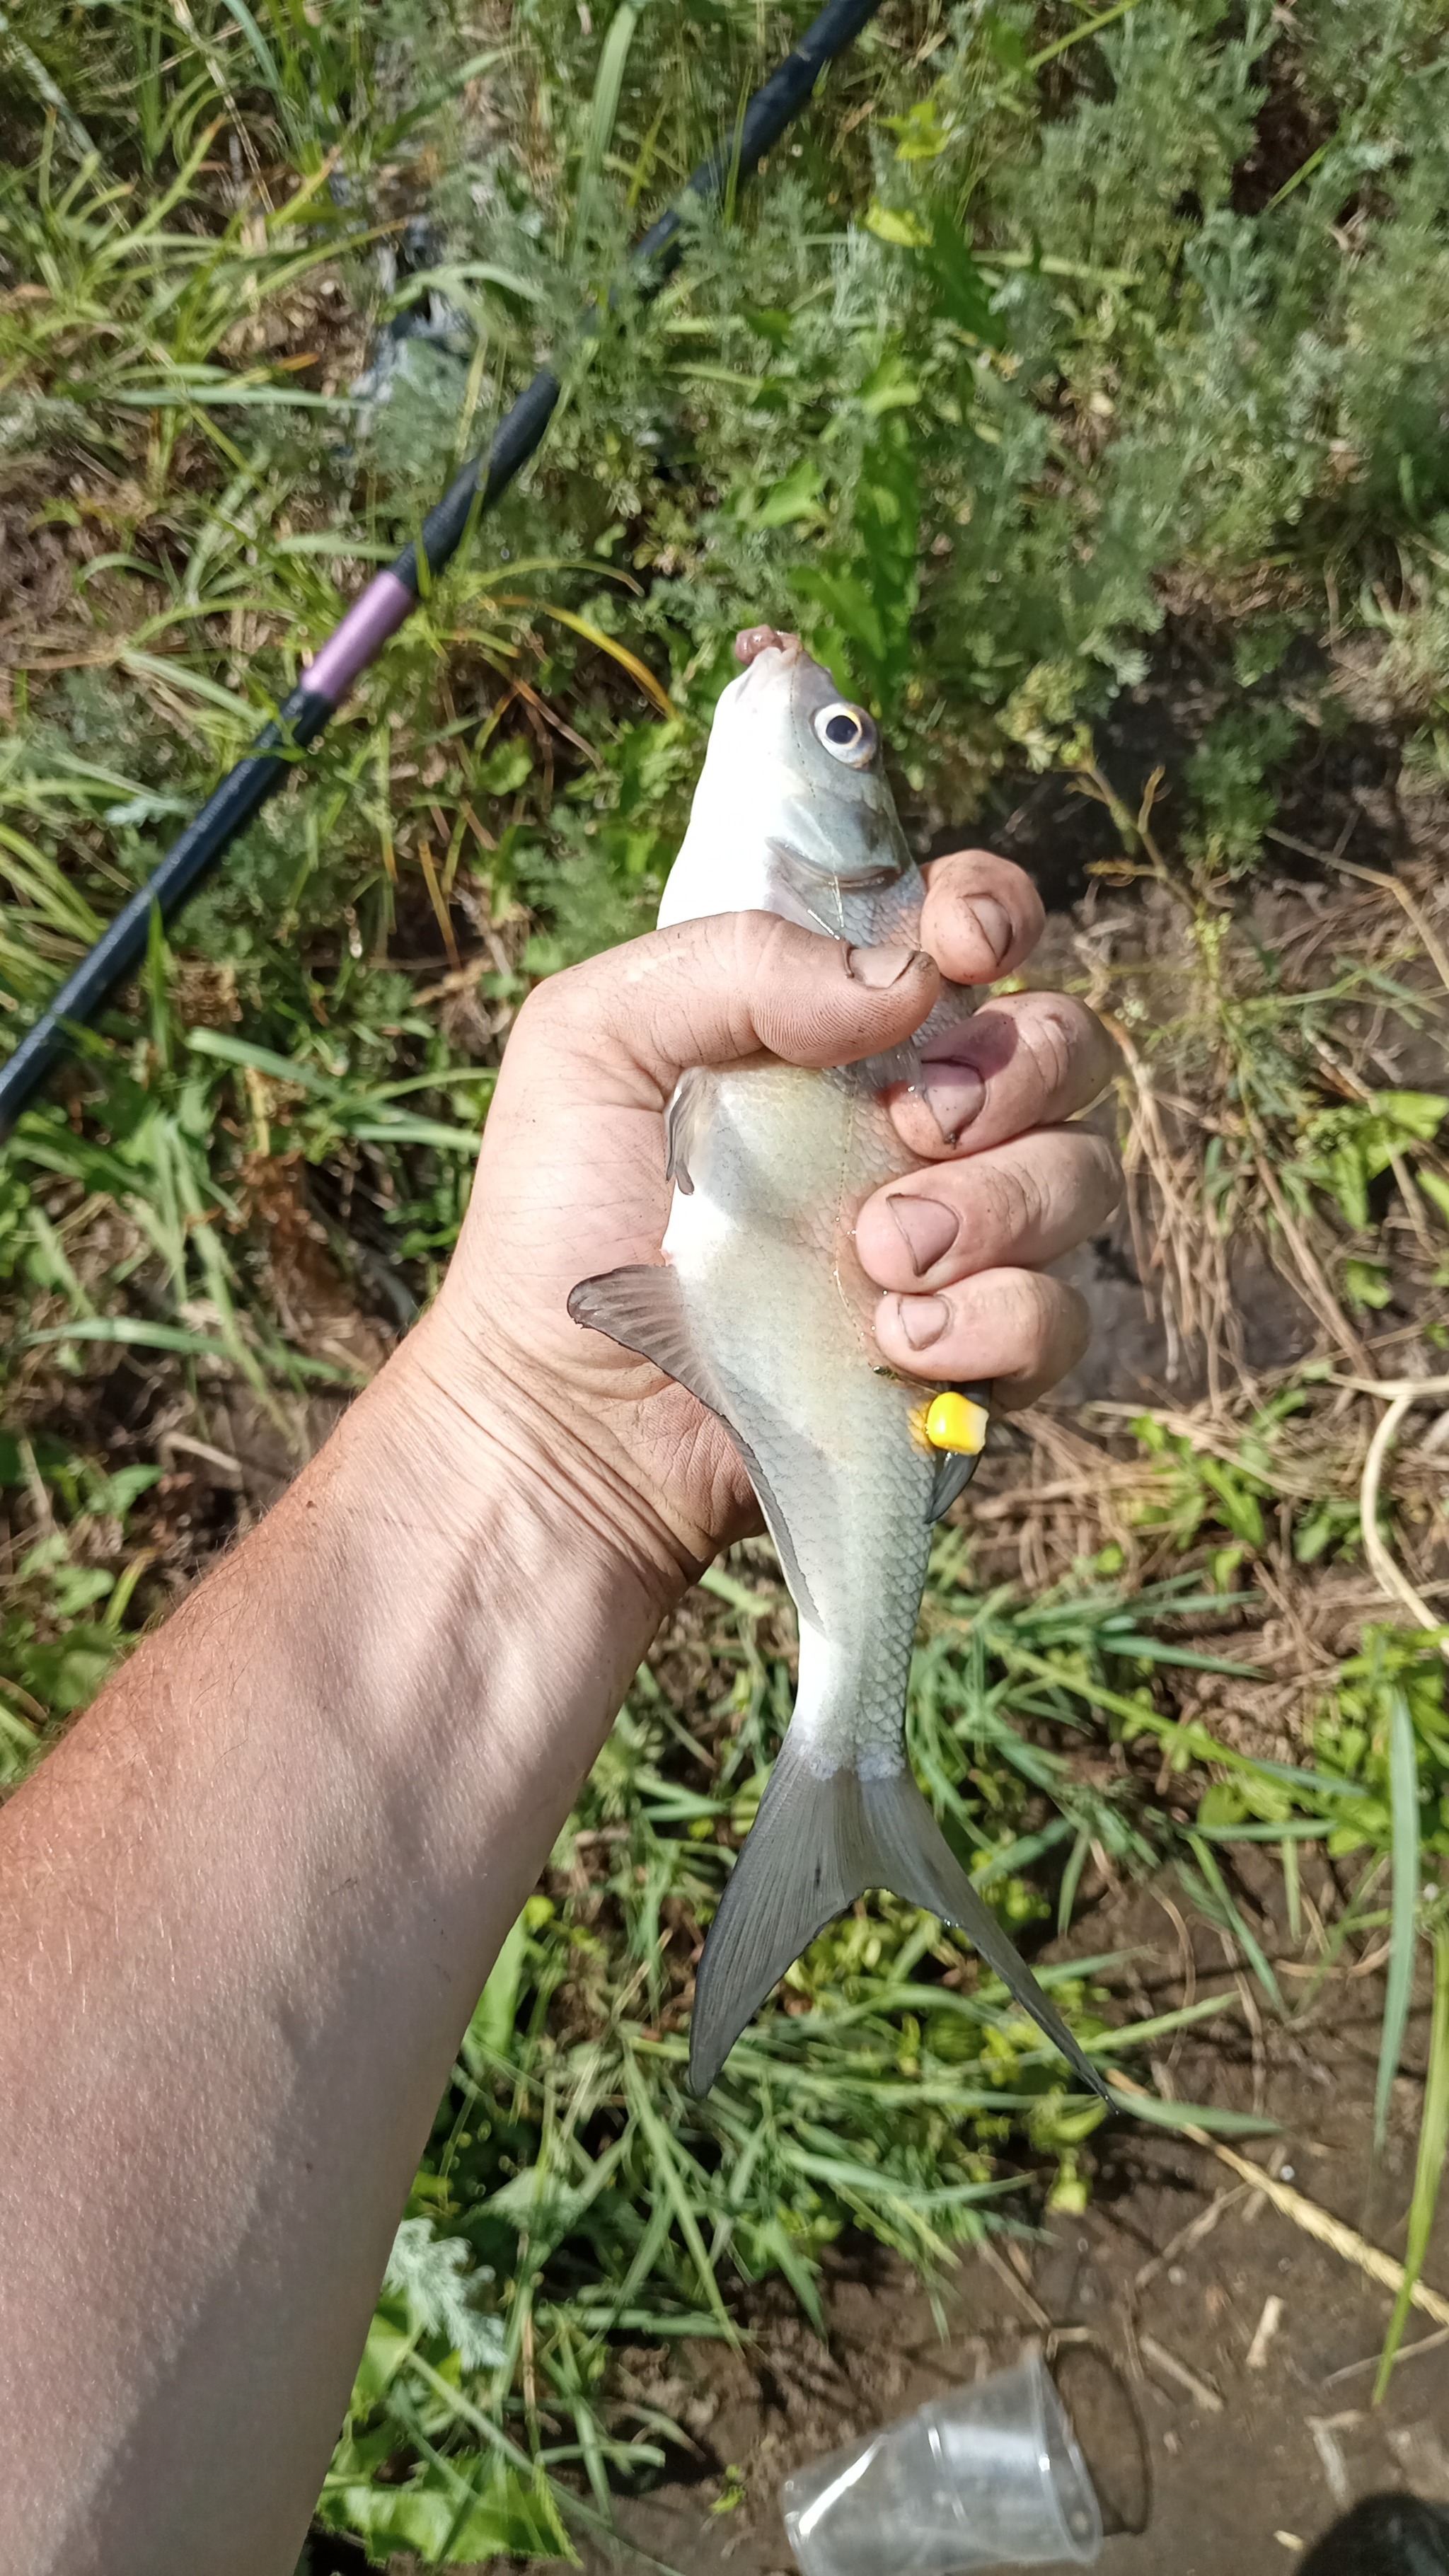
x: 1054, y: 347
x: 584, y: 2194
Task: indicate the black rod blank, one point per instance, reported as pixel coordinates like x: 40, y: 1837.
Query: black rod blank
x: 389, y: 598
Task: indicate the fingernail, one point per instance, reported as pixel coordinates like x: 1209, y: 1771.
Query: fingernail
x: 923, y: 1319
x: 954, y: 1093
x: 879, y: 966
x: 994, y: 923
x: 928, y: 1227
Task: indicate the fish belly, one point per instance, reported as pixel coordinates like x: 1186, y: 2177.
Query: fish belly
x: 763, y: 1247
x: 762, y: 1250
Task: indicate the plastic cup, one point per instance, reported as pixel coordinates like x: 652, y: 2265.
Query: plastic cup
x: 989, y: 2476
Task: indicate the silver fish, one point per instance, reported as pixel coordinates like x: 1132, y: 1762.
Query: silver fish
x: 762, y: 1309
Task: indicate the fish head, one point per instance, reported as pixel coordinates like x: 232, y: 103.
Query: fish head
x: 793, y: 811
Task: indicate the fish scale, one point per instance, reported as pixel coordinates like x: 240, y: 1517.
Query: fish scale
x: 764, y: 1251
x: 760, y: 1306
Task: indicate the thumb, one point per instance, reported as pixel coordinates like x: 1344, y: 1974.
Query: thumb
x: 719, y: 992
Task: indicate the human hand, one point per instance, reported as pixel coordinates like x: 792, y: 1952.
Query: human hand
x: 571, y: 1182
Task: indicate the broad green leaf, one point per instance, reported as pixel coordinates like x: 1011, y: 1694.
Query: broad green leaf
x: 920, y: 134
x: 491, y: 2027
x: 478, y: 2507
x: 898, y: 225
x: 793, y: 500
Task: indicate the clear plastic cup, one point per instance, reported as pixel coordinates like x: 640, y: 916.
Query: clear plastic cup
x: 989, y: 2476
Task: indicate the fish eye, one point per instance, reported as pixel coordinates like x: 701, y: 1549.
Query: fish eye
x: 847, y: 734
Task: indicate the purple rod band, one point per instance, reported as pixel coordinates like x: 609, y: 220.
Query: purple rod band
x: 359, y: 639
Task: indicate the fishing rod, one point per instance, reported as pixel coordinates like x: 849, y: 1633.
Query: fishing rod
x: 391, y: 597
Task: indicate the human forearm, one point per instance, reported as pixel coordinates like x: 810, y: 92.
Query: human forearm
x: 246, y: 1910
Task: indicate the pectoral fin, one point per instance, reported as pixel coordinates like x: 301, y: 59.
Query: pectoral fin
x: 815, y: 1846
x: 643, y: 1310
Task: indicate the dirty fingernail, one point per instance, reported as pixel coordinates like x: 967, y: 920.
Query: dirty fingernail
x: 994, y: 923
x: 929, y: 1229
x: 954, y: 1093
x: 879, y: 966
x: 923, y: 1319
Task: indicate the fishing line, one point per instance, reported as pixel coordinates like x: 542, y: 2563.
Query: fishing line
x: 391, y: 597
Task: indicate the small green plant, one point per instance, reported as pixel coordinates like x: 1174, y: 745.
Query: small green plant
x: 64, y: 1621
x: 1226, y: 781
x: 1238, y: 1502
x: 1344, y: 1151
x: 1193, y: 1488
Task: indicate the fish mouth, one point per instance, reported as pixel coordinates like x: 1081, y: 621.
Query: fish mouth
x: 753, y: 640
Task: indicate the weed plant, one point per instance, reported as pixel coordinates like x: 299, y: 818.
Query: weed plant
x: 1063, y: 363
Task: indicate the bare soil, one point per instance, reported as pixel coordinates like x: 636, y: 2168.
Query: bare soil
x: 1218, y: 2361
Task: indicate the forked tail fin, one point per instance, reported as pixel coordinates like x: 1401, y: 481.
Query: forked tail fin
x: 815, y: 1846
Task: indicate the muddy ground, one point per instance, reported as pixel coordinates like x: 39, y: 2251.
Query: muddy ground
x: 1218, y: 2362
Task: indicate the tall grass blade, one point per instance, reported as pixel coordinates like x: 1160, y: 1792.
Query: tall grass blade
x: 1232, y: 1913
x: 1404, y: 1899
x: 1197, y: 2115
x: 1071, y: 1880
x: 1354, y: 1918
x: 668, y: 2163
x: 1433, y: 2146
x: 1292, y: 1886
x: 609, y: 644
x: 261, y: 50
x: 44, y: 87
x: 603, y: 110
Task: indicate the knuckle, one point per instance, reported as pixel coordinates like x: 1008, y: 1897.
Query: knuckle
x: 1039, y: 1304
x: 1101, y: 1172
x: 763, y: 967
x: 1083, y: 1178
x: 1012, y: 1203
x: 1075, y: 1326
x: 532, y: 1012
x: 757, y: 940
x: 1055, y: 1032
x: 545, y: 1008
x: 1021, y: 1303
